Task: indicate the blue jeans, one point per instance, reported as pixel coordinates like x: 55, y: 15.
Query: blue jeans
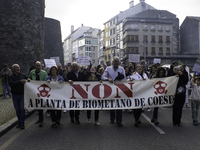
x: 195, y: 108
x: 6, y: 86
x: 18, y: 101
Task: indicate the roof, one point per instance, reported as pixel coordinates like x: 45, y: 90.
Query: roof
x: 142, y: 6
x: 195, y: 18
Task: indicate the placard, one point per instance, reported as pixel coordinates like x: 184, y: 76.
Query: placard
x: 134, y: 58
x: 49, y: 63
x: 157, y: 60
x: 57, y: 59
x: 83, y: 60
x: 197, y: 66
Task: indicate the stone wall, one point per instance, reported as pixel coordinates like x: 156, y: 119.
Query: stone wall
x: 53, y: 42
x: 21, y: 32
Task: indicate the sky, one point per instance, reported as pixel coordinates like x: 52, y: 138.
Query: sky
x: 94, y: 13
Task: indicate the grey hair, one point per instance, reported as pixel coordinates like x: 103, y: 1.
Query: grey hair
x: 116, y: 57
x: 14, y: 66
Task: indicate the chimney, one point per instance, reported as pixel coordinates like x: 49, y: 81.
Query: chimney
x: 131, y: 4
x: 72, y: 28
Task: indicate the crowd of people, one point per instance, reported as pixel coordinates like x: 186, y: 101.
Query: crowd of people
x: 113, y: 71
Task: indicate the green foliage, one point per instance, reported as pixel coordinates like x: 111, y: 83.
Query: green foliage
x: 180, y: 63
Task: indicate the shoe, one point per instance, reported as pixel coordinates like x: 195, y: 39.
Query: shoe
x: 149, y: 109
x: 18, y: 126
x: 54, y: 125
x: 156, y: 122
x: 153, y: 120
x: 77, y: 122
x: 40, y: 124
x: 72, y: 120
x: 119, y: 125
x: 4, y: 98
x: 88, y: 121
x: 195, y: 122
x: 97, y: 123
x: 186, y: 105
x: 112, y: 122
x: 58, y: 122
x: 22, y: 127
x: 136, y: 124
x: 139, y: 122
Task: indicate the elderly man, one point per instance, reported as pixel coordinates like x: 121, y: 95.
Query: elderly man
x: 39, y: 75
x: 74, y: 75
x: 16, y: 81
x: 111, y: 74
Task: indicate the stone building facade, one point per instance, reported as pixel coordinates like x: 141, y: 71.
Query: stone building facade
x: 21, y: 32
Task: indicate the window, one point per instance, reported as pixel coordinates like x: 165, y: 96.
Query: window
x: 145, y: 27
x: 168, y: 28
x: 136, y: 26
x: 134, y: 50
x: 168, y: 50
x: 111, y: 32
x: 146, y: 50
x: 160, y: 50
x: 93, y: 61
x: 167, y: 39
x: 153, y: 40
x: 152, y: 27
x: 145, y: 38
x: 153, y: 50
x: 160, y: 39
x: 88, y: 48
x: 160, y: 28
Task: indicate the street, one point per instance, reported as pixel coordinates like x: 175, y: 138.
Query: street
x: 68, y: 136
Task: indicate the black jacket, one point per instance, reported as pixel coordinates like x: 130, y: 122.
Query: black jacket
x: 15, y: 83
x: 72, y: 76
x: 97, y: 75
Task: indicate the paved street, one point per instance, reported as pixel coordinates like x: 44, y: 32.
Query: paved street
x: 86, y: 136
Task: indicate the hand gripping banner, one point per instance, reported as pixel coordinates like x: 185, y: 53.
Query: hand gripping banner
x: 158, y: 92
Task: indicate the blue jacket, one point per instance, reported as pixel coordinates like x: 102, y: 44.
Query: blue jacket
x: 60, y: 78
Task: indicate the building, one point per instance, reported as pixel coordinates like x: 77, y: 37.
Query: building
x: 190, y: 35
x: 81, y: 42
x: 113, y: 29
x: 101, y: 48
x: 152, y: 34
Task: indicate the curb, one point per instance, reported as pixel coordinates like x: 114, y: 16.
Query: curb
x: 12, y: 123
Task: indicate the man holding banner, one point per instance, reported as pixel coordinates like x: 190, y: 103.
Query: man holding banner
x: 39, y: 75
x: 74, y: 75
x: 111, y: 74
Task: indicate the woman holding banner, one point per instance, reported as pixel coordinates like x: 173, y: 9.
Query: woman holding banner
x: 138, y: 75
x: 55, y: 77
x: 161, y: 73
x: 93, y: 76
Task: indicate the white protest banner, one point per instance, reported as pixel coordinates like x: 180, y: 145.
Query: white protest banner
x: 57, y: 59
x: 135, y: 94
x: 49, y: 63
x: 156, y: 60
x: 134, y: 58
x: 83, y: 60
x: 197, y: 66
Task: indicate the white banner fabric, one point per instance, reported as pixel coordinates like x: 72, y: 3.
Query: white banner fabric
x: 158, y: 92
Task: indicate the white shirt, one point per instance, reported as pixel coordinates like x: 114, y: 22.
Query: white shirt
x: 112, y: 74
x: 137, y: 76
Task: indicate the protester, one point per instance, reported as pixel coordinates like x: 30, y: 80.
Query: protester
x: 152, y: 72
x: 5, y: 72
x: 138, y: 75
x: 111, y: 74
x: 65, y: 71
x: 131, y: 67
x: 180, y: 95
x: 127, y: 72
x: 171, y: 71
x: 55, y: 77
x: 108, y: 63
x: 195, y: 98
x: 60, y: 69
x: 74, y: 75
x: 16, y: 82
x: 101, y: 71
x: 159, y: 74
x: 93, y: 76
x: 39, y: 75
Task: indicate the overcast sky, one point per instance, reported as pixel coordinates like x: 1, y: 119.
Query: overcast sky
x: 94, y: 13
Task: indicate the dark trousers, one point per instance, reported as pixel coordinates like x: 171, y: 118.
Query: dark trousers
x: 177, y: 108
x: 41, y: 118
x: 55, y: 115
x: 96, y: 114
x: 155, y: 113
x: 18, y: 101
x: 137, y: 113
x: 118, y: 115
x: 74, y: 113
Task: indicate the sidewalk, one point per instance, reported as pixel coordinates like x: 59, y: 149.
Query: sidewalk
x: 8, y: 115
